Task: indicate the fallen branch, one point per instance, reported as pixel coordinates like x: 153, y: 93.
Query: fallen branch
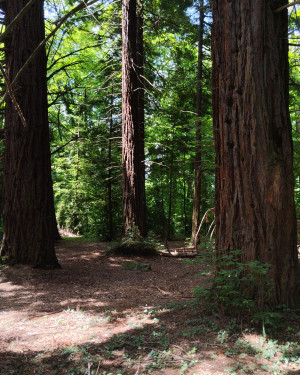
x: 178, y: 255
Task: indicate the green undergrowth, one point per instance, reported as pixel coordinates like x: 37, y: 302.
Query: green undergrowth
x: 79, y: 239
x: 2, y: 265
x: 182, y: 338
x: 4, y: 261
x: 133, y: 244
x: 243, y: 290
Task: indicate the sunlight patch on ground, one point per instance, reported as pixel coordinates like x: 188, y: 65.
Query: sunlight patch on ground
x: 69, y: 327
x: 82, y: 302
x: 91, y: 256
x: 9, y: 287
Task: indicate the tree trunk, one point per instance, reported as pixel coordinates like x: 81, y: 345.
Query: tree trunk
x: 141, y: 119
x: 56, y: 235
x: 254, y: 201
x: 28, y: 209
x: 110, y: 234
x: 184, y: 197
x: 134, y: 202
x: 196, y: 217
x: 170, y: 197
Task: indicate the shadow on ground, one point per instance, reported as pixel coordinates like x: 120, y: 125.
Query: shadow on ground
x: 92, y: 317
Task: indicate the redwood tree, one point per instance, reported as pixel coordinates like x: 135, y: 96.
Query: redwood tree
x: 134, y: 202
x: 28, y: 209
x: 196, y: 217
x: 254, y: 200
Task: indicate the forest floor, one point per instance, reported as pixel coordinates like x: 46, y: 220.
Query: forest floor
x: 93, y: 317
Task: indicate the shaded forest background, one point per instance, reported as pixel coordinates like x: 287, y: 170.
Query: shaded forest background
x: 84, y: 98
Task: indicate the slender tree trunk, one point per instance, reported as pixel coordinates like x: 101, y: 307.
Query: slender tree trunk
x: 134, y: 202
x: 109, y: 177
x: 170, y: 198
x: 184, y: 198
x: 141, y: 119
x: 254, y: 202
x: 75, y: 219
x: 169, y: 223
x: 196, y: 218
x: 28, y: 209
x: 56, y: 234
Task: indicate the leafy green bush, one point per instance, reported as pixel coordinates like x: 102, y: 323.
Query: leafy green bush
x: 237, y: 288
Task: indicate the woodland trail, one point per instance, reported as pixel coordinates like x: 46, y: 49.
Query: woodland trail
x: 93, y: 317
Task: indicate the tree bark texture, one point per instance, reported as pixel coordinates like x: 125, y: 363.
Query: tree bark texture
x: 134, y: 201
x: 110, y: 232
x: 196, y: 217
x: 28, y: 209
x: 169, y: 231
x: 254, y: 202
x: 141, y: 116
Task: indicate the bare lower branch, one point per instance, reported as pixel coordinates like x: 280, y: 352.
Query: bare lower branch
x: 64, y: 145
x: 16, y: 19
x: 286, y: 6
x: 12, y: 96
x: 70, y: 54
x: 63, y: 68
x: 202, y: 221
x: 58, y: 24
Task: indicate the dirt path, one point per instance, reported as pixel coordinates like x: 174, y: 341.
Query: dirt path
x: 94, y: 313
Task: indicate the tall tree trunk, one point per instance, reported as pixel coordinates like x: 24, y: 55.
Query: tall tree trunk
x: 169, y: 223
x: 196, y: 217
x: 254, y: 202
x: 110, y: 234
x: 170, y: 197
x: 141, y: 119
x: 28, y: 209
x: 75, y: 218
x: 184, y: 197
x: 134, y: 202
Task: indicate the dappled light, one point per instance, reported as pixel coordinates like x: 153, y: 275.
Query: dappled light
x: 94, y: 313
x: 149, y: 187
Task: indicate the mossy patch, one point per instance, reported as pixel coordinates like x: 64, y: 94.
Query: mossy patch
x: 132, y: 265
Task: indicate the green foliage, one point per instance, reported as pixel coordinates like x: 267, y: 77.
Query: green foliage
x: 133, y: 244
x: 238, y: 288
x: 3, y: 263
x: 294, y: 86
x: 170, y: 126
x: 84, y: 85
x: 84, y: 102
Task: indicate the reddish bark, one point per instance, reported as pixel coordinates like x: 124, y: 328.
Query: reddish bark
x: 134, y: 202
x: 196, y: 217
x: 28, y: 210
x: 255, y: 209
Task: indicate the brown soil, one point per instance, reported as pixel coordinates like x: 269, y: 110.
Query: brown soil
x: 93, y: 317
